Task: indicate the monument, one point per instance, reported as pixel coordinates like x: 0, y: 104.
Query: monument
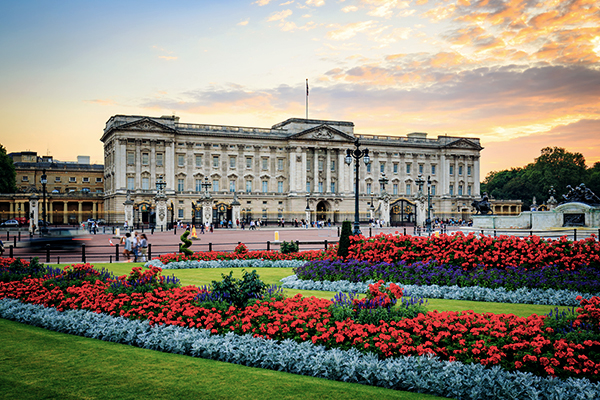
x: 580, y: 207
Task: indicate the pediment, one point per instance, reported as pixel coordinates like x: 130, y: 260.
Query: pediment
x: 146, y: 125
x: 463, y: 144
x: 325, y: 133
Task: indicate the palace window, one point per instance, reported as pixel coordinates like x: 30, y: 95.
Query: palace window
x: 408, y: 189
x: 333, y: 187
x: 408, y: 168
x: 199, y: 160
x: 469, y: 170
x: 395, y: 167
x: 308, y: 186
x: 265, y: 164
x: 232, y: 162
x: 460, y: 190
x: 320, y: 165
x: 215, y: 161
x: 198, y: 185
x: 469, y: 190
x: 159, y: 159
x: 433, y: 170
x: 98, y: 180
x: 451, y: 170
x: 180, y: 160
x: 130, y: 158
x: 215, y: 185
x: 460, y: 169
x: 180, y: 185
x: 145, y: 158
x: 72, y: 179
x: 333, y: 165
x: 57, y: 179
x: 248, y: 186
x: 280, y: 164
x: 232, y: 186
x: 395, y: 188
x: 320, y: 186
x: 369, y: 167
x: 25, y: 179
x: 248, y: 162
x: 279, y: 186
x: 420, y: 168
x: 85, y: 179
x: 368, y: 188
x: 433, y: 190
x: 130, y: 183
x: 265, y: 186
x: 381, y: 167
x: 451, y: 190
x: 145, y: 183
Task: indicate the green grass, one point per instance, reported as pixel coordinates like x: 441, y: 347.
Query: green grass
x: 204, y: 276
x: 40, y: 364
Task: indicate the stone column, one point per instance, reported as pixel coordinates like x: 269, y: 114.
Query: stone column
x: 292, y: 183
x: 207, y: 211
x: 328, y: 171
x: 303, y: 173
x: 315, y: 184
x: 235, y: 210
x: 128, y: 210
x: 34, y: 212
x: 161, y: 211
x: 79, y: 212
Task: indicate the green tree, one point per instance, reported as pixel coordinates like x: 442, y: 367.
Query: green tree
x: 345, y: 239
x: 8, y: 175
x: 554, y: 167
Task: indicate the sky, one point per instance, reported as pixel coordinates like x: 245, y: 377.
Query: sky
x: 520, y: 75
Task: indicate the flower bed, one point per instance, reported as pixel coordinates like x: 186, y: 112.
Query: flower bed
x: 478, y: 252
x: 583, y: 279
x: 247, y: 255
x: 423, y: 374
x: 563, y: 346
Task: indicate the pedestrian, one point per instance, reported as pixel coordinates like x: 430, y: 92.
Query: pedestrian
x: 1, y: 247
x: 202, y: 229
x: 127, y: 248
x: 144, y: 247
x: 135, y: 241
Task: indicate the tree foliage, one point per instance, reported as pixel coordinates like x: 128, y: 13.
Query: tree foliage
x: 7, y: 173
x: 555, y: 167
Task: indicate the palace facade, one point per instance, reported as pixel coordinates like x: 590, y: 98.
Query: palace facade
x: 74, y: 190
x: 294, y: 170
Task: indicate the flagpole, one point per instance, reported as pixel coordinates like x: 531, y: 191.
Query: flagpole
x: 306, y: 98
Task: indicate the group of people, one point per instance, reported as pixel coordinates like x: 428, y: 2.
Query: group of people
x: 136, y: 245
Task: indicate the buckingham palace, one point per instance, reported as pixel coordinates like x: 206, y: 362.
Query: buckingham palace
x: 297, y: 169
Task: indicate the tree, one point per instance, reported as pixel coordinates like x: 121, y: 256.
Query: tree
x: 345, y: 239
x: 554, y: 167
x: 8, y: 175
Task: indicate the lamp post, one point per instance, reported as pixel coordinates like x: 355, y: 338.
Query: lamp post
x: 160, y: 185
x: 428, y: 220
x: 307, y: 211
x: 44, y: 181
x: 357, y: 154
x: 205, y: 186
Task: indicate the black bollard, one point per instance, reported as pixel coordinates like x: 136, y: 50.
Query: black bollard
x: 149, y: 251
x: 268, y: 245
x: 117, y: 252
x: 326, y: 244
x: 83, y: 253
x: 47, y: 252
x: 210, y: 247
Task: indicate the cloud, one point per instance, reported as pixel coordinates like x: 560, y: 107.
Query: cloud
x: 262, y: 2
x: 278, y: 16
x: 101, y: 102
x: 350, y: 30
x: 244, y: 22
x: 348, y: 9
x: 168, y: 57
x: 316, y: 3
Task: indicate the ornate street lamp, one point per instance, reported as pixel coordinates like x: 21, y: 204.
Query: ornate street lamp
x: 428, y: 221
x: 205, y: 186
x: 382, y: 182
x: 160, y: 185
x: 357, y: 154
x: 44, y: 181
x: 420, y: 182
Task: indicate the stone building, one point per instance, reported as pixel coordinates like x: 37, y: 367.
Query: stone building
x: 74, y: 190
x: 294, y: 170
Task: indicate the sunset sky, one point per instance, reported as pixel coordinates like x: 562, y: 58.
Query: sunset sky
x: 520, y: 75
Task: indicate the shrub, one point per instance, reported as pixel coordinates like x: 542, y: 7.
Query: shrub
x: 289, y: 247
x: 184, y: 247
x: 345, y: 239
x: 15, y: 269
x: 142, y: 282
x: 238, y: 291
x: 241, y: 249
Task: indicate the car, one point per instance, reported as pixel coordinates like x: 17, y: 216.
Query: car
x: 59, y: 238
x: 11, y: 222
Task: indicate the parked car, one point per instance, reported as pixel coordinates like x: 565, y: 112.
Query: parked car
x: 10, y: 222
x: 59, y: 238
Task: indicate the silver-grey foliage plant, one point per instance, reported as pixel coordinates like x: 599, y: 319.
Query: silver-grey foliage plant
x: 424, y: 374
x: 557, y: 297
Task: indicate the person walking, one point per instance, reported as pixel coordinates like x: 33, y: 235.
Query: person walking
x: 127, y: 248
x: 144, y: 247
x: 134, y: 246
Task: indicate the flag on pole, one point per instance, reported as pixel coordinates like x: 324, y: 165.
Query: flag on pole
x: 307, y: 86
